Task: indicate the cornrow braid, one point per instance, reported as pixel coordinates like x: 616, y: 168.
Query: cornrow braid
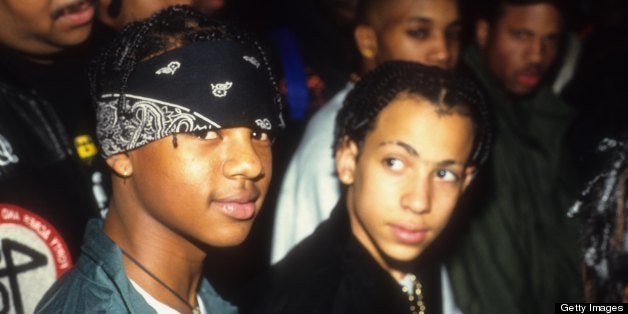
x: 166, y: 30
x: 442, y: 88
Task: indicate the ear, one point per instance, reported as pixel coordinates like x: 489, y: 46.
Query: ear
x: 121, y: 165
x: 469, y: 175
x: 482, y: 31
x: 346, y: 159
x: 109, y: 13
x: 366, y: 41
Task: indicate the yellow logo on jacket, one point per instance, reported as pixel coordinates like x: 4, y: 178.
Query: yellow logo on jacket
x: 85, y: 146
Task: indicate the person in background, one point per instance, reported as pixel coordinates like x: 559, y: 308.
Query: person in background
x: 596, y: 88
x: 424, y: 31
x: 187, y: 109
x: 115, y: 14
x: 603, y: 209
x: 520, y: 252
x: 408, y: 142
x: 51, y: 176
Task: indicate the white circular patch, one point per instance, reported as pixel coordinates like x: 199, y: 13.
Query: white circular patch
x: 32, y: 256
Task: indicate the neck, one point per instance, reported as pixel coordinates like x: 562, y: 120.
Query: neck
x: 366, y: 241
x: 164, y: 253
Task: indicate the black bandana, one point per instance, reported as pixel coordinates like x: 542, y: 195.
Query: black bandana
x: 205, y: 85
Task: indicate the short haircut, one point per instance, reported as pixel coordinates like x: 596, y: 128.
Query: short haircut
x: 447, y: 91
x: 492, y: 10
x: 365, y: 9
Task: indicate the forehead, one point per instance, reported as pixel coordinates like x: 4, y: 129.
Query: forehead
x: 542, y: 18
x: 434, y: 134
x: 401, y: 11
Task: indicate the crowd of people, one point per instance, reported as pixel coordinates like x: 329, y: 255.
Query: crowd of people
x: 347, y: 156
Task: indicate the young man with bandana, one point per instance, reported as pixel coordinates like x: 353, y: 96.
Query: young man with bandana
x: 187, y: 108
x: 520, y: 254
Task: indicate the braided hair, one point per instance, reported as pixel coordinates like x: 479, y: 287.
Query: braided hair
x: 602, y: 206
x: 443, y: 89
x: 166, y: 30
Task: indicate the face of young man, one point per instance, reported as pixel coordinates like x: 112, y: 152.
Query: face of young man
x: 43, y: 27
x: 522, y: 45
x: 423, y: 31
x: 404, y: 185
x: 208, y: 188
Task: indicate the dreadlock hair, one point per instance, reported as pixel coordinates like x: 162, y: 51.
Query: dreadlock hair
x: 164, y: 31
x: 602, y: 206
x: 445, y: 90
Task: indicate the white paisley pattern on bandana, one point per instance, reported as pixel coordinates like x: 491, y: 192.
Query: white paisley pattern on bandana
x: 141, y: 121
x: 6, y: 152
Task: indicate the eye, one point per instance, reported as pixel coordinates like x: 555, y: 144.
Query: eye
x: 206, y: 134
x: 446, y: 175
x: 419, y: 33
x: 260, y: 135
x: 552, y: 41
x: 393, y: 164
x: 520, y: 34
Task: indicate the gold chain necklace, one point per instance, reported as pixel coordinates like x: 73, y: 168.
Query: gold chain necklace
x: 195, y: 309
x: 413, y: 288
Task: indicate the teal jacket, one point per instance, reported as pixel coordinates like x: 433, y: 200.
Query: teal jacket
x: 521, y: 252
x: 98, y: 283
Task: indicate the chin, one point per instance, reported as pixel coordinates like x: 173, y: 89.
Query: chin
x: 230, y: 237
x: 76, y: 36
x: 403, y: 255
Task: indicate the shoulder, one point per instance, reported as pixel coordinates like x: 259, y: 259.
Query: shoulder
x: 314, y: 152
x: 78, y: 292
x: 323, y: 121
x: 96, y: 284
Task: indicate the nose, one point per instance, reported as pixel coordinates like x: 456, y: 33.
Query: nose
x: 535, y: 51
x: 242, y: 160
x: 440, y: 52
x: 417, y: 196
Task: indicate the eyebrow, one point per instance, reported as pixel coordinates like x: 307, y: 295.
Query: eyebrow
x: 408, y: 148
x: 421, y: 19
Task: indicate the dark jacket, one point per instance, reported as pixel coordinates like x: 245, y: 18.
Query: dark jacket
x: 330, y: 272
x: 46, y: 189
x: 521, y: 253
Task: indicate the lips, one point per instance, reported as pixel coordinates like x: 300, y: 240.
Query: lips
x: 239, y: 211
x: 529, y: 78
x: 409, y: 234
x: 240, y: 207
x: 75, y: 13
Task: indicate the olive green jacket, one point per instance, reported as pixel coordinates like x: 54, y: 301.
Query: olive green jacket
x: 521, y: 253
